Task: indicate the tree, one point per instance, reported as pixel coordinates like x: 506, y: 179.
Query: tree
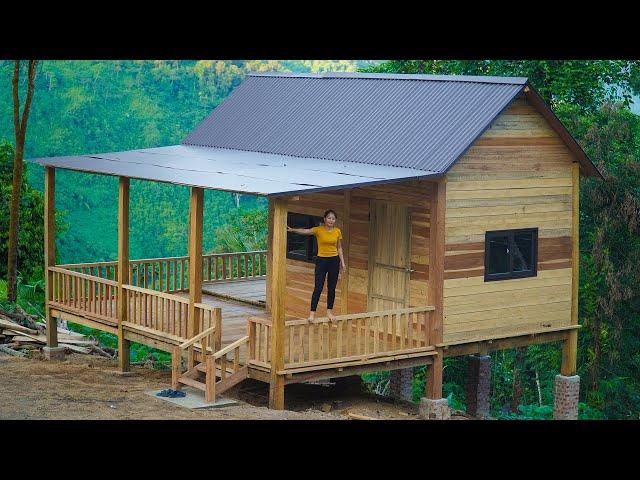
x: 20, y: 129
x: 31, y: 235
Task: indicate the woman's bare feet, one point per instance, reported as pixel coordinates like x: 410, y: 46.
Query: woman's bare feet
x: 330, y: 315
x: 312, y: 316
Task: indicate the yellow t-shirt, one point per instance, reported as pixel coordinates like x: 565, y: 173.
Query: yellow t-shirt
x: 327, y: 241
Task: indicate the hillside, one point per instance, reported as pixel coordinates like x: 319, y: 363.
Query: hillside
x: 102, y: 106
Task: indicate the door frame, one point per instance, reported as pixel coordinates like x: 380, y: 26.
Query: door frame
x: 372, y: 251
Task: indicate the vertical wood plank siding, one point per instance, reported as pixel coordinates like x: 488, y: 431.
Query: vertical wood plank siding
x: 300, y: 278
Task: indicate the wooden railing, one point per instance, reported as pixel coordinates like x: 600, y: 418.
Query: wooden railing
x: 357, y: 338
x: 108, y: 270
x: 81, y: 292
x: 158, y: 311
x: 234, y: 266
x: 171, y: 274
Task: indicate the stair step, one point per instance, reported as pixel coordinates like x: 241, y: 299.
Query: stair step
x: 192, y: 383
x: 201, y: 367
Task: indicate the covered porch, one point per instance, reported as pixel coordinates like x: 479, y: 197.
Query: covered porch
x: 229, y: 317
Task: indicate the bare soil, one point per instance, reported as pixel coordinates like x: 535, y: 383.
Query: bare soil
x: 89, y: 388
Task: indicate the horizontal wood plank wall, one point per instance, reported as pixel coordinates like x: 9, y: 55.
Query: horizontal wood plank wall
x: 516, y: 175
x: 300, y: 279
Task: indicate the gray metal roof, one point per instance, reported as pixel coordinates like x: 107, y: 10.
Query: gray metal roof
x: 234, y: 170
x: 424, y: 122
x: 280, y: 134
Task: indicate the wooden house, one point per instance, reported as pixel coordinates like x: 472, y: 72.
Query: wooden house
x: 457, y: 198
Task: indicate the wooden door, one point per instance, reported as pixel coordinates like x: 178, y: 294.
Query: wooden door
x: 389, y: 256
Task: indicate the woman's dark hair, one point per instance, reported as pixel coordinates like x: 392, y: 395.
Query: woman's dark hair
x: 327, y: 212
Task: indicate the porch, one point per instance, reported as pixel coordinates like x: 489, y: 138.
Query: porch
x: 232, y: 325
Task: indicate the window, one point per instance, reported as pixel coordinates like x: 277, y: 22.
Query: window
x: 302, y: 247
x: 510, y: 254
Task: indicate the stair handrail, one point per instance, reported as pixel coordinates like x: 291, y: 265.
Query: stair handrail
x: 193, y: 340
x: 232, y: 346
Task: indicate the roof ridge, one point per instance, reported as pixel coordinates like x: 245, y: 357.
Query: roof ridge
x: 396, y: 76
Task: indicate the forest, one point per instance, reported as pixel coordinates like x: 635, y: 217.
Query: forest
x: 100, y: 106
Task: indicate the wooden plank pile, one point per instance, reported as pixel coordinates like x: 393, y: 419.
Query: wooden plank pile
x: 21, y: 332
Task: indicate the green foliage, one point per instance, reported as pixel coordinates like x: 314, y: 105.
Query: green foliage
x: 31, y: 223
x: 242, y: 231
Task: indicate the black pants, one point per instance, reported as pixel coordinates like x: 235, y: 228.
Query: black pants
x: 324, y: 266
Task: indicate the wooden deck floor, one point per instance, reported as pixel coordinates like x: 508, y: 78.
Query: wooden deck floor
x: 252, y: 290
x: 234, y: 316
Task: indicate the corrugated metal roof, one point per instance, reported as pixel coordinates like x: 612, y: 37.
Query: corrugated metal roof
x: 234, y: 170
x: 423, y: 122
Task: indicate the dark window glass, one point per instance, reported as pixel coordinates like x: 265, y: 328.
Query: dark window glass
x: 498, y: 255
x: 302, y: 247
x: 523, y: 251
x: 511, y: 254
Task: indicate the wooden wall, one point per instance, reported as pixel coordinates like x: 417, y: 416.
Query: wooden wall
x: 300, y: 278
x: 516, y: 175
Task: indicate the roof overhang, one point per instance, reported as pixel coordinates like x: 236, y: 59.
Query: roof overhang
x: 237, y: 171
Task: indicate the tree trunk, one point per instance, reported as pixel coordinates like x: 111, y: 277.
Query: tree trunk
x: 518, y: 364
x: 20, y: 128
x: 595, y: 366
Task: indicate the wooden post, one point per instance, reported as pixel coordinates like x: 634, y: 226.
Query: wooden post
x: 346, y: 240
x: 570, y: 345
x: 278, y: 278
x: 195, y: 258
x: 50, y: 250
x: 269, y: 256
x: 123, y: 271
x: 433, y: 389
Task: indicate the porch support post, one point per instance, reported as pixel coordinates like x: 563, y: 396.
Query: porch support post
x: 51, y: 351
x: 278, y: 279
x: 346, y: 241
x: 269, y: 257
x: 567, y: 385
x: 123, y: 272
x: 195, y: 257
x: 433, y: 406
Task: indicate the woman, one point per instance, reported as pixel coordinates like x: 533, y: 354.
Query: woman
x: 328, y: 262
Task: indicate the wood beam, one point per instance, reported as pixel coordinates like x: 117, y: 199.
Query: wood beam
x: 435, y: 294
x: 277, y: 292
x: 346, y: 240
x: 123, y: 271
x: 196, y: 206
x: 269, y: 255
x: 570, y: 346
x: 50, y: 250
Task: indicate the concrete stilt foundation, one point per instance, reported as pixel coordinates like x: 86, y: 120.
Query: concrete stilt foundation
x: 478, y: 386
x: 566, y: 394
x: 53, y: 353
x: 435, y: 409
x: 401, y: 384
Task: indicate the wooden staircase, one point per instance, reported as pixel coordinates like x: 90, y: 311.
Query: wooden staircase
x: 208, y: 367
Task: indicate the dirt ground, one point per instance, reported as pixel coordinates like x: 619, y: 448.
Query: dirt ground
x: 89, y: 388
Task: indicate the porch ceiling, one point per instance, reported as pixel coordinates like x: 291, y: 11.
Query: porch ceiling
x: 235, y: 170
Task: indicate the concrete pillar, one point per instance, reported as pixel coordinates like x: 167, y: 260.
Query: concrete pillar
x: 434, y: 409
x: 401, y: 384
x: 53, y: 353
x: 478, y: 385
x: 566, y: 394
